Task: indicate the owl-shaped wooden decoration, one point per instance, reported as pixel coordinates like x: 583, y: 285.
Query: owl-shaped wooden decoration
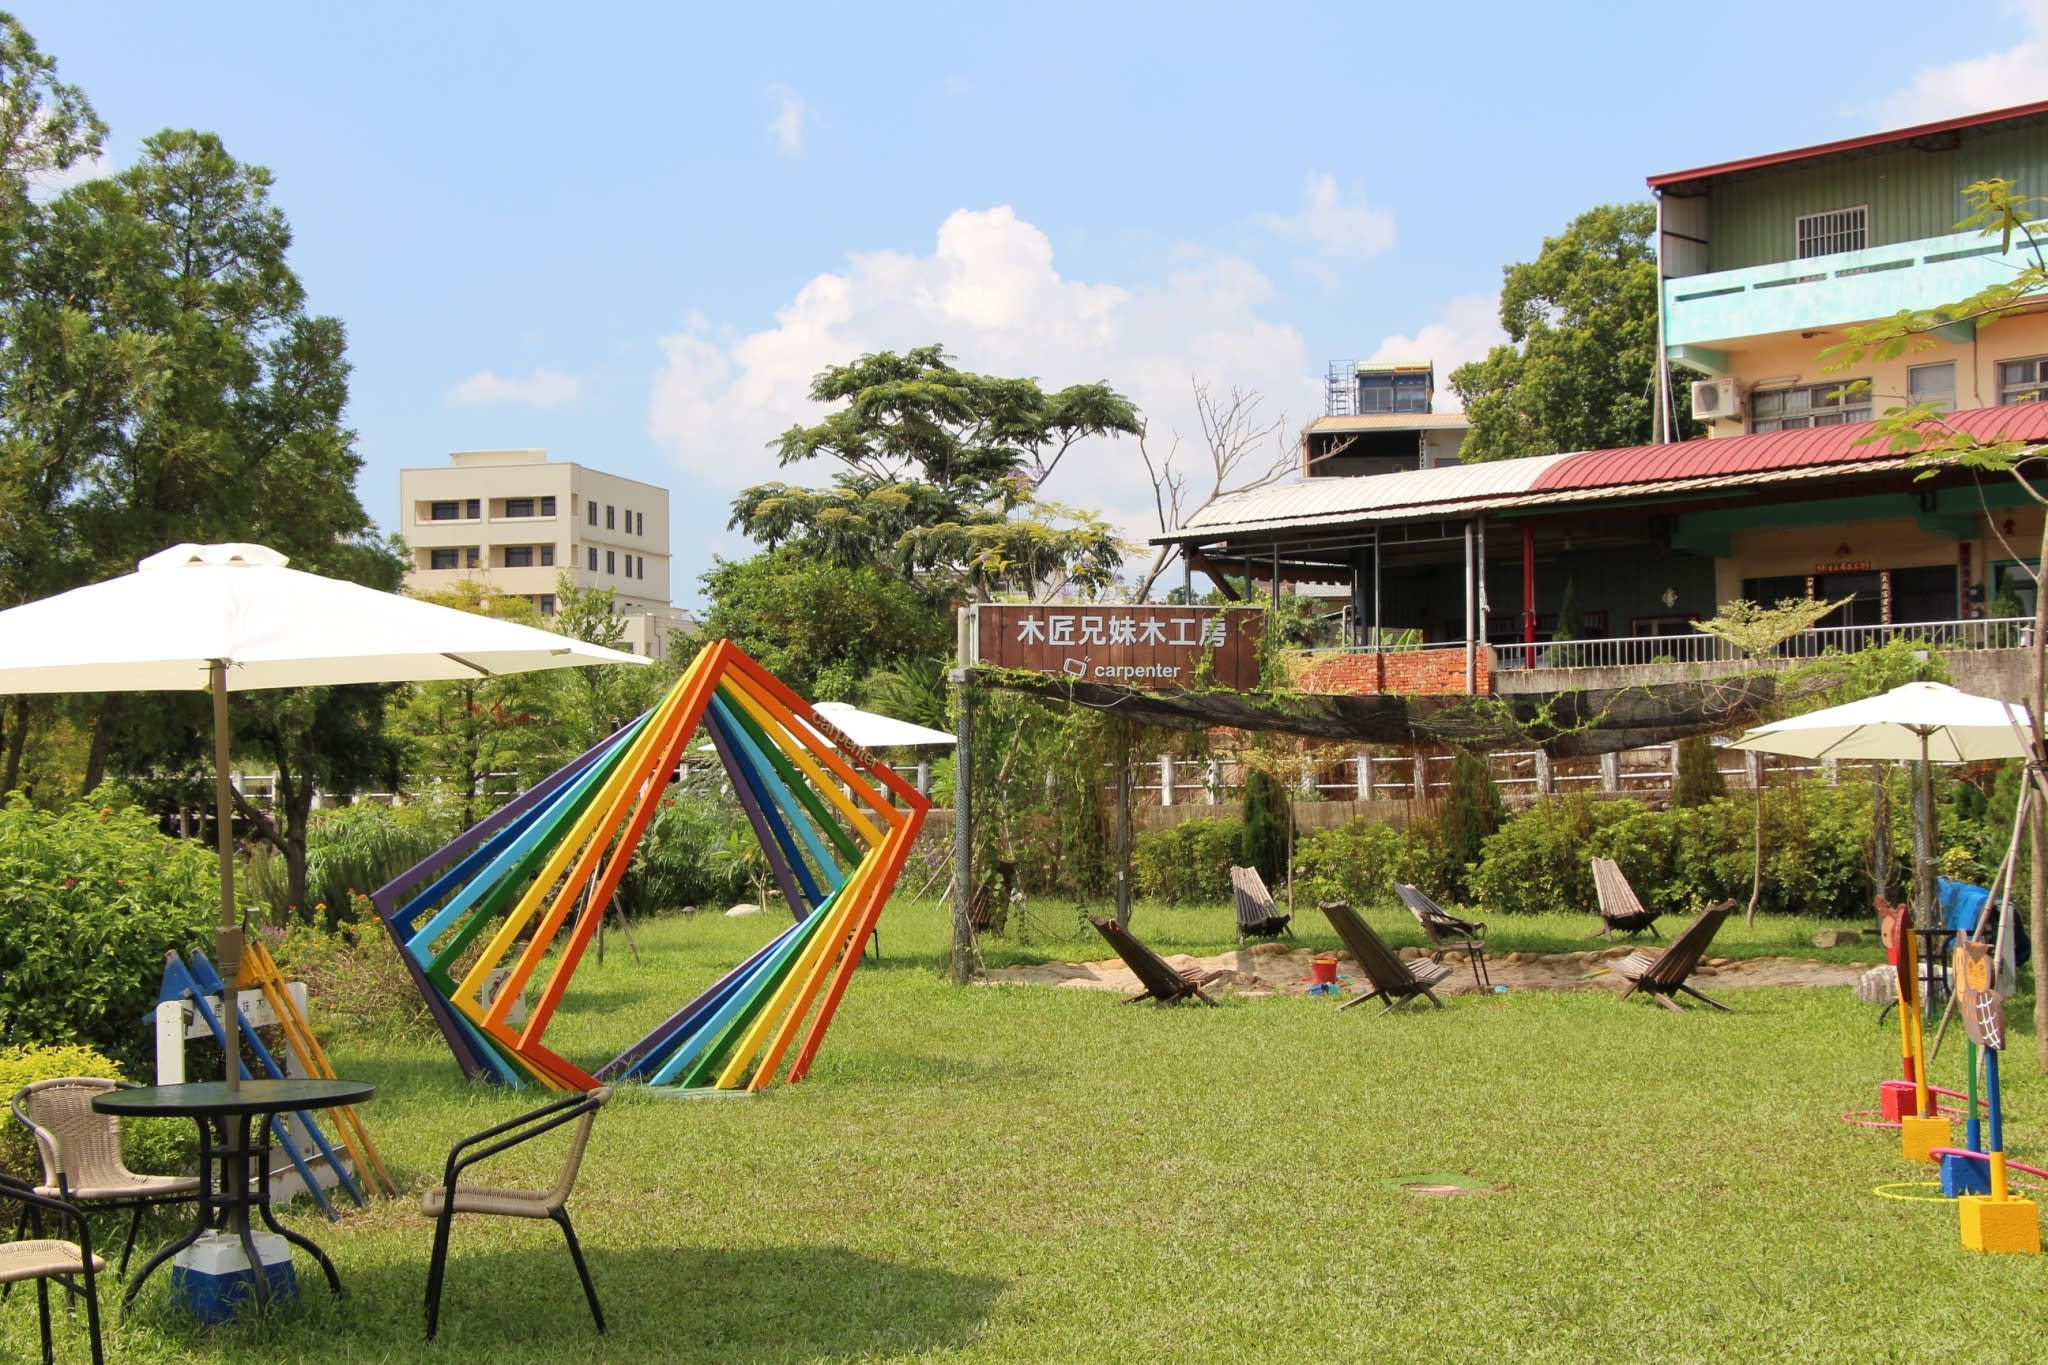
x: 1977, y: 995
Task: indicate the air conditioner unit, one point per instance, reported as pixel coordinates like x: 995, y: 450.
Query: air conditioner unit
x: 1716, y: 398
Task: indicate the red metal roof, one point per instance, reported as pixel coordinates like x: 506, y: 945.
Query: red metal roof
x: 1807, y: 446
x: 1852, y: 144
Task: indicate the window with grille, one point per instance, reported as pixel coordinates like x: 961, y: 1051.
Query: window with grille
x: 473, y: 509
x: 547, y: 507
x: 518, y: 556
x: 1823, y: 234
x: 593, y: 560
x: 1822, y: 405
x: 472, y: 557
x: 519, y: 507
x: 2023, y: 381
x: 546, y: 603
x: 441, y: 559
x: 444, y: 511
x: 547, y: 556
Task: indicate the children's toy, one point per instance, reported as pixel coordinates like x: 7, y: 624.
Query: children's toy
x: 1922, y: 1129
x: 517, y: 898
x: 1998, y: 1220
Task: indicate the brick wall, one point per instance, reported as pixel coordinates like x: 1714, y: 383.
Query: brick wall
x: 1407, y: 673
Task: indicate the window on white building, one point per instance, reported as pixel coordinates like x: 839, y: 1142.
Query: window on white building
x: 442, y: 559
x: 592, y: 509
x: 611, y: 562
x: 547, y: 507
x: 518, y: 556
x: 444, y: 511
x: 547, y: 556
x: 593, y: 559
x: 519, y: 507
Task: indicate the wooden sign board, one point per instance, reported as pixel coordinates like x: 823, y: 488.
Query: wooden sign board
x: 1146, y: 646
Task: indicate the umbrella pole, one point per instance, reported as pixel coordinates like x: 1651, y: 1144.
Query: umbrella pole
x: 1926, y: 851
x: 227, y: 939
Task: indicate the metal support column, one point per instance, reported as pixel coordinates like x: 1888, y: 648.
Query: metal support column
x: 963, y: 828
x: 1471, y: 611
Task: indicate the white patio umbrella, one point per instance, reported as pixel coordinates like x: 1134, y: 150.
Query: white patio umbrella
x: 1928, y: 721
x: 873, y: 731
x: 233, y: 618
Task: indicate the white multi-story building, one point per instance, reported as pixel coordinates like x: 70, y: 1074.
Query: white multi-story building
x: 516, y: 520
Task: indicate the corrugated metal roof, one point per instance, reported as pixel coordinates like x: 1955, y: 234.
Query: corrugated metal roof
x: 1560, y: 497
x: 1390, y: 421
x: 1584, y: 476
x: 1349, y: 498
x: 1797, y: 449
x: 1852, y: 144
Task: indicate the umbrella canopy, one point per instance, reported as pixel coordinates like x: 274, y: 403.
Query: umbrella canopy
x: 872, y: 731
x: 162, y: 628
x: 233, y: 618
x: 1919, y: 720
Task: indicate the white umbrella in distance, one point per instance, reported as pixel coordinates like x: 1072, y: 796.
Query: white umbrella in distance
x: 872, y: 731
x: 233, y: 618
x: 1929, y: 721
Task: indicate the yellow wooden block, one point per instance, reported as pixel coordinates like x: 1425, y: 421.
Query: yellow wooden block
x: 2000, y: 1224
x: 1920, y: 1136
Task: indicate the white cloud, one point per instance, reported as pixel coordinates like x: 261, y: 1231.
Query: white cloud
x: 1468, y: 329
x: 990, y: 292
x: 47, y: 185
x: 541, y: 389
x: 1337, y: 224
x: 787, y: 127
x: 1996, y: 80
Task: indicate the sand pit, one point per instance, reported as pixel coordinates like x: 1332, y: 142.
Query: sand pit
x: 1275, y: 969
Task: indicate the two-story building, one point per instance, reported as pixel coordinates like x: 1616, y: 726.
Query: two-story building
x: 518, y: 521
x: 1379, y: 417
x: 1765, y: 262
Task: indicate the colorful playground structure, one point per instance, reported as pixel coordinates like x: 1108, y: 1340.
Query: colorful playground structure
x: 517, y: 898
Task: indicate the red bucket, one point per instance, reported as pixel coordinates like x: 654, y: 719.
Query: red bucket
x: 1323, y: 971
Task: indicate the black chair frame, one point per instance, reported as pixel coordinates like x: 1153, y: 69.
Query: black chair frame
x: 36, y: 1205
x: 534, y: 1123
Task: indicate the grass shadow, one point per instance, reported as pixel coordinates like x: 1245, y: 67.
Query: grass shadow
x: 694, y: 1303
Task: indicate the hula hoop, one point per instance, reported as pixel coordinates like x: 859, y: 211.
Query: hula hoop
x: 1859, y: 1118
x: 1886, y: 1192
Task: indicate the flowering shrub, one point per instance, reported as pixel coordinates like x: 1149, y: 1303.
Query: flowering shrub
x: 91, y: 897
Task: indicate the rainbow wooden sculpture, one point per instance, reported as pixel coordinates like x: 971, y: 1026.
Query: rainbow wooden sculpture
x: 523, y: 892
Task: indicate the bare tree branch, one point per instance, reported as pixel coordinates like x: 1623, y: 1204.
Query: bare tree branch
x: 1246, y: 450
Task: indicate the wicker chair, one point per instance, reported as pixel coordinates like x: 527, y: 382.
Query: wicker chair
x: 449, y: 1198
x: 43, y: 1259
x: 81, y: 1152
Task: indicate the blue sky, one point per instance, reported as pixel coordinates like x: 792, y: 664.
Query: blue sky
x: 631, y: 233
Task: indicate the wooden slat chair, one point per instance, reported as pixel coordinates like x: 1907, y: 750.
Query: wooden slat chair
x: 1394, y: 981
x: 1620, y: 910
x: 43, y: 1259
x: 1662, y: 975
x: 1162, y: 980
x: 1257, y: 916
x: 1447, y: 932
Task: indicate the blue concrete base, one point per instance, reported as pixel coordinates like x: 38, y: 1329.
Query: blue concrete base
x: 211, y: 1278
x: 1962, y: 1175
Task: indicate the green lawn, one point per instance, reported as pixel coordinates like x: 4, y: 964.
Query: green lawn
x: 1022, y: 1174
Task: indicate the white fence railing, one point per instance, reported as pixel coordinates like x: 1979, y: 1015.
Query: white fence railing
x: 1648, y: 771
x: 1635, y: 651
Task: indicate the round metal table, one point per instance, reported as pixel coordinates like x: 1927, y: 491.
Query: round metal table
x: 234, y: 1156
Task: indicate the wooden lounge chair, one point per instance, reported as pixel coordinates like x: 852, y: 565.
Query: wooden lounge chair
x: 1394, y: 981
x: 1664, y: 974
x: 1162, y: 980
x: 1257, y: 916
x: 1447, y: 932
x: 1619, y: 908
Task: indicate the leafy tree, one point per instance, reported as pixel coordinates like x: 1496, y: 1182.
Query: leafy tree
x: 456, y: 735
x: 1268, y: 812
x: 940, y: 477
x: 1757, y: 631
x: 1580, y: 372
x: 1698, y: 780
x: 1472, y: 811
x: 823, y: 626
x: 600, y: 699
